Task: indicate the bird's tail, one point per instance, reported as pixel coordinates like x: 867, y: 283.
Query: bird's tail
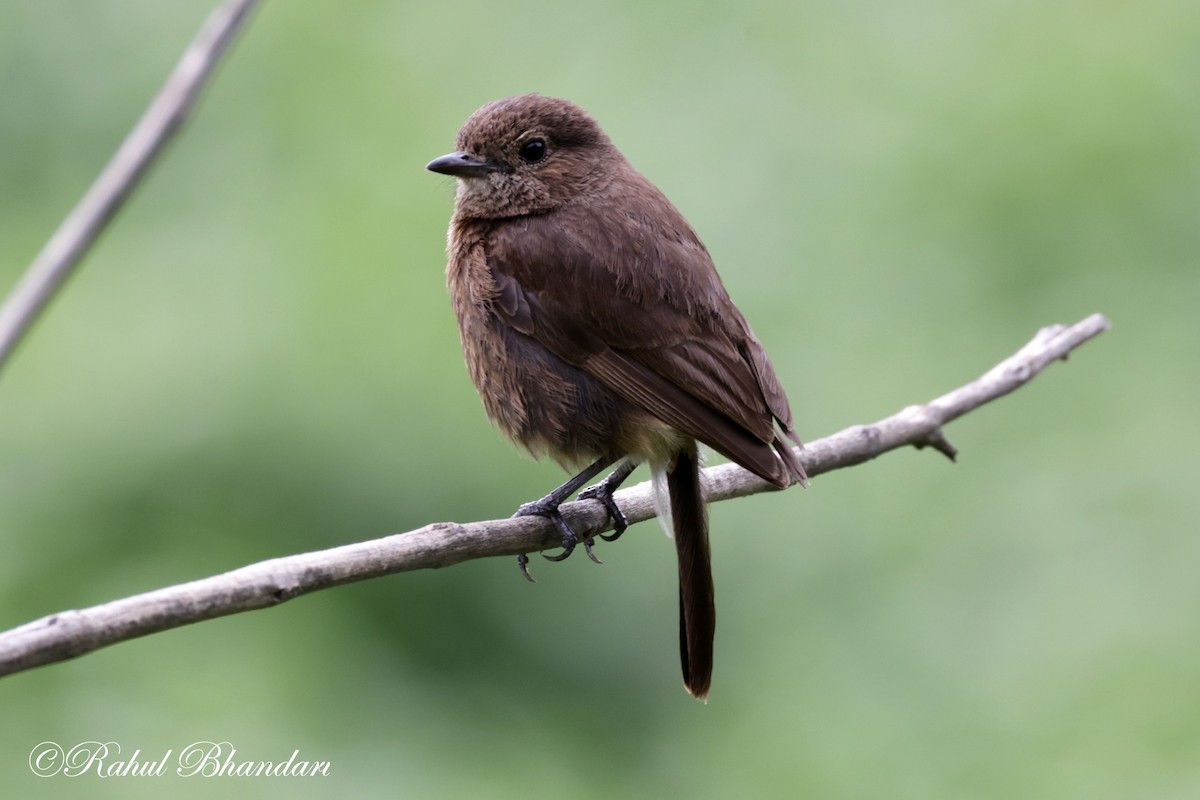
x: 697, y: 611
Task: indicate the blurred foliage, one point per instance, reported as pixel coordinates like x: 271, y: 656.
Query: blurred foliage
x: 259, y: 359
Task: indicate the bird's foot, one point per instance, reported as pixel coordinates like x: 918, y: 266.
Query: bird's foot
x: 547, y: 507
x: 603, y: 492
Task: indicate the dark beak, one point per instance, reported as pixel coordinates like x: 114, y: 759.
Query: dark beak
x: 461, y: 165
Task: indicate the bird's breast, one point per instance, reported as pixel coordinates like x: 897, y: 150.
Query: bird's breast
x: 545, y: 404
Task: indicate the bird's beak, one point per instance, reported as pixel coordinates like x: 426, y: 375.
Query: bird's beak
x: 461, y: 165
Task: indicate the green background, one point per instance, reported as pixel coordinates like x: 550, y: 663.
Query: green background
x: 259, y: 359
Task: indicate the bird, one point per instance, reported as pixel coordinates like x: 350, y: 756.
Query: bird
x: 597, y: 332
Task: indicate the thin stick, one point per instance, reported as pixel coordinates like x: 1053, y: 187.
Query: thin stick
x: 267, y: 583
x: 75, y: 236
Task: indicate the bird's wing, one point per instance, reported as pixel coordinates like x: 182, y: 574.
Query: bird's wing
x: 650, y: 320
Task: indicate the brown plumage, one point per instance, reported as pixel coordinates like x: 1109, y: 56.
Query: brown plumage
x: 596, y: 328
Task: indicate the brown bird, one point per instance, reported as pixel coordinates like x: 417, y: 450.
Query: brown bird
x: 596, y: 330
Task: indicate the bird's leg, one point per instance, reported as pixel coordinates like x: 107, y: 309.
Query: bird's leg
x: 548, y: 507
x: 603, y: 491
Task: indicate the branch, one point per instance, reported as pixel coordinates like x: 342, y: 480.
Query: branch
x: 267, y: 583
x: 77, y: 233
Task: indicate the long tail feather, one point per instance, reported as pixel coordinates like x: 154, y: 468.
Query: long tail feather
x: 697, y: 611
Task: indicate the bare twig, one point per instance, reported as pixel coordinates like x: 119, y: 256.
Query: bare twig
x: 267, y: 583
x: 79, y: 230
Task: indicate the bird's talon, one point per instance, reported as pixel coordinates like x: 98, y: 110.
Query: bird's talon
x: 523, y: 563
x: 587, y: 547
x: 616, y: 534
x: 569, y: 539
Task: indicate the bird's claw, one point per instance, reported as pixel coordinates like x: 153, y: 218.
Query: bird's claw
x: 587, y: 548
x: 549, y: 510
x: 604, y: 494
x: 523, y: 563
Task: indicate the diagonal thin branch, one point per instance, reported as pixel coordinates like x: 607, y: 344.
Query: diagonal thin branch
x: 165, y: 115
x: 72, y: 633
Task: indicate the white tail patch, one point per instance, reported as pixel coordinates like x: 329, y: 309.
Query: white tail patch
x: 662, y: 499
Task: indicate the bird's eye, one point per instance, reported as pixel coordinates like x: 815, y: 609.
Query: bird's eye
x: 533, y: 151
